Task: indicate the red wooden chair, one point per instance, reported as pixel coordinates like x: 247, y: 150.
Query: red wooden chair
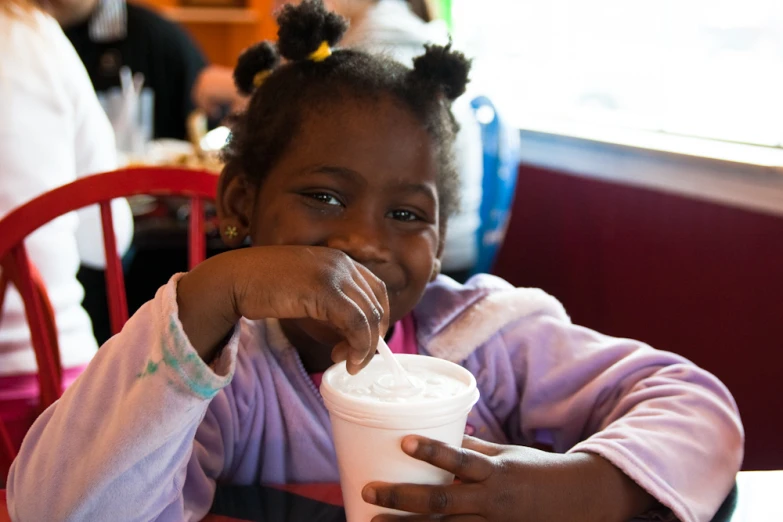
x: 48, y: 360
x: 98, y: 189
x: 7, y: 453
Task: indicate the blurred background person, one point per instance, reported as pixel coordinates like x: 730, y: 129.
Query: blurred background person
x: 110, y: 34
x: 52, y: 131
x: 175, y: 80
x: 401, y: 28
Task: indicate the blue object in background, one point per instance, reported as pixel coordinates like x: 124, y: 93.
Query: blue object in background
x: 501, y: 152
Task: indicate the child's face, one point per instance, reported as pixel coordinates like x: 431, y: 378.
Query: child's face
x: 361, y: 179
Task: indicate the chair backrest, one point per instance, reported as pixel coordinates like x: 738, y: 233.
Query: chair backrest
x: 501, y: 153
x: 99, y: 189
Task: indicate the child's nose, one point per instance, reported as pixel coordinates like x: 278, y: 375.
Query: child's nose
x: 362, y: 245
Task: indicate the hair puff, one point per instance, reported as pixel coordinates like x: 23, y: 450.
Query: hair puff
x: 441, y: 66
x: 257, y: 58
x: 303, y: 27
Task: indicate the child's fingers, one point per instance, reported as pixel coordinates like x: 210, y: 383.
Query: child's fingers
x: 376, y: 319
x: 375, y: 291
x: 378, y: 312
x: 466, y: 464
x: 340, y: 352
x: 481, y: 446
x: 360, y: 356
x: 352, y: 322
x: 364, y: 279
x: 351, y: 311
x: 429, y: 518
x: 378, y: 291
x: 451, y: 499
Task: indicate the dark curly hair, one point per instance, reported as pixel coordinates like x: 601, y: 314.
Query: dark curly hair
x: 283, y: 96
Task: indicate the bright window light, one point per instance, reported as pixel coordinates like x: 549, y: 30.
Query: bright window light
x: 706, y: 68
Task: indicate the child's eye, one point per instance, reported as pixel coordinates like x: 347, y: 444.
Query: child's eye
x: 404, y: 215
x: 323, y: 197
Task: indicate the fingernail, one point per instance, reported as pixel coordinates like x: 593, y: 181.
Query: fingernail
x: 410, y: 445
x: 369, y: 495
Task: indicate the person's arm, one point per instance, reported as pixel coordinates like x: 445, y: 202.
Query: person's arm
x: 285, y: 282
x: 121, y: 443
x: 94, y: 152
x: 635, y: 424
x: 214, y: 89
x: 667, y: 424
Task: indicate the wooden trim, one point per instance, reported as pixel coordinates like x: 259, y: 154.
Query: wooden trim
x: 757, y: 187
x: 211, y: 15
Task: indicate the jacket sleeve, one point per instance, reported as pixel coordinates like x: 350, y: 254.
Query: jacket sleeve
x: 139, y: 436
x: 670, y: 426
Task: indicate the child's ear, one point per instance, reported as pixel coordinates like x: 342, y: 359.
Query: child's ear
x: 234, y: 206
x: 436, y: 262
x: 435, y: 269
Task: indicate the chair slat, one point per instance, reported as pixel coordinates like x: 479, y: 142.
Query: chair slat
x: 7, y: 452
x: 50, y: 320
x: 48, y: 368
x: 115, y: 280
x: 4, y: 280
x: 197, y: 242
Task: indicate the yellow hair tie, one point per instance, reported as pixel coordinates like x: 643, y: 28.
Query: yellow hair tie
x: 259, y: 78
x: 322, y: 53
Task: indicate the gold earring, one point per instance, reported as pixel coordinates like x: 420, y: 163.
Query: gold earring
x: 231, y: 232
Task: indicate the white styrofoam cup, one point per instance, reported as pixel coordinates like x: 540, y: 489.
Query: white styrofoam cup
x: 368, y: 435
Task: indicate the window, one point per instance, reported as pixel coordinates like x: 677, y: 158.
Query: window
x: 705, y: 68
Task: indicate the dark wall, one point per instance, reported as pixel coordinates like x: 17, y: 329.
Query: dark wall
x: 697, y: 278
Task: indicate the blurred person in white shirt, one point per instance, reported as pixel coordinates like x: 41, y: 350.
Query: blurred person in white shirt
x: 52, y: 131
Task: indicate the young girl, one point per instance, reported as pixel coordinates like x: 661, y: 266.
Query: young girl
x: 391, y: 27
x: 341, y: 174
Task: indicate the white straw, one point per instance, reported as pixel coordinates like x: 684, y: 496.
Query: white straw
x: 400, y: 375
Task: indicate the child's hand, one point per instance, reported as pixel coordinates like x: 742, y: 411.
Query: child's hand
x: 511, y: 483
x: 285, y: 282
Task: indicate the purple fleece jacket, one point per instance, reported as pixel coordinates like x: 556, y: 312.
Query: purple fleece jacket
x: 149, y: 429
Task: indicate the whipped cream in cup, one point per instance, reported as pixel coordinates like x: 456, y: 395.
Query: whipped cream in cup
x: 371, y: 414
